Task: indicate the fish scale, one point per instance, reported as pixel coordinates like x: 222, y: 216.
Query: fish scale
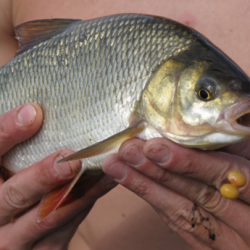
x: 86, y: 70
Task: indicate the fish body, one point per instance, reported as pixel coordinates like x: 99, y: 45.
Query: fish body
x: 116, y: 77
x: 88, y: 80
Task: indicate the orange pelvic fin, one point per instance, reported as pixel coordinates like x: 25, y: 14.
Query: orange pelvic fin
x: 56, y: 198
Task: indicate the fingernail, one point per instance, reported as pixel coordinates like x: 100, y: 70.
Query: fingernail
x: 26, y: 115
x: 158, y: 153
x: 117, y: 171
x: 66, y: 169
x: 134, y: 156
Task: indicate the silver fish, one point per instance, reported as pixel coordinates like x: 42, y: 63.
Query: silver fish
x: 102, y: 81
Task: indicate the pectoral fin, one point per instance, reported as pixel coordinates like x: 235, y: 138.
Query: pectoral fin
x: 106, y: 145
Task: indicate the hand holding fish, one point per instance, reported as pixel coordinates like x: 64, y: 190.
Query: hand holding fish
x: 20, y: 193
x: 183, y: 186
x: 102, y: 81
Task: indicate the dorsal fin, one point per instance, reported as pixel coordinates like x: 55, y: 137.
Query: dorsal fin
x: 32, y: 33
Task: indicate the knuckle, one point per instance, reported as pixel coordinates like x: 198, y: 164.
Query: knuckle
x: 173, y: 226
x: 5, y: 136
x: 209, y: 198
x: 163, y: 176
x: 43, y: 177
x: 188, y: 168
x: 181, y: 218
x: 195, y: 221
x: 107, y: 183
x: 189, y: 220
x: 47, y: 224
x: 142, y: 188
x: 224, y: 165
x: 13, y: 197
x: 187, y: 162
x: 46, y: 174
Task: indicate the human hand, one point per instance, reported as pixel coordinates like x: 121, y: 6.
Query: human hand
x: 183, y: 185
x: 20, y: 193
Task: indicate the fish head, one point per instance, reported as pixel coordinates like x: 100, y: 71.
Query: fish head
x: 200, y: 99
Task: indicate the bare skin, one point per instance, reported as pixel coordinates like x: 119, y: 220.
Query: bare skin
x: 121, y: 220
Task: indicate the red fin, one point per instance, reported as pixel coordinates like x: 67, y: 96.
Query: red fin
x: 68, y: 193
x: 32, y: 33
x: 54, y: 199
x: 85, y: 183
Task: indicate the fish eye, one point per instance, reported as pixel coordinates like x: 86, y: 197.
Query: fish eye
x: 206, y: 89
x: 204, y: 94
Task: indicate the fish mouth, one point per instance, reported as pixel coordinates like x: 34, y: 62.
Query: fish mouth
x: 244, y: 120
x: 236, y: 119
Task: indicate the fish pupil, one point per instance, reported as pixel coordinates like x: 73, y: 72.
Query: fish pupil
x: 204, y: 94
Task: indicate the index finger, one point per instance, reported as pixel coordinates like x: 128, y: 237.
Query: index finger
x: 240, y: 149
x: 169, y: 173
x: 29, y: 185
x: 207, y: 166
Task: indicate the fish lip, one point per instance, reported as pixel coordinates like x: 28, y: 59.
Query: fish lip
x: 234, y: 119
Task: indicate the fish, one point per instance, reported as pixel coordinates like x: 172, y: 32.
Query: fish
x: 105, y: 80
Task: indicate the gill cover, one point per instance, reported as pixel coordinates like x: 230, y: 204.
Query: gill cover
x: 169, y: 95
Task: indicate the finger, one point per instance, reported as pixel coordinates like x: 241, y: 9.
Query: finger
x: 25, y: 231
x: 241, y: 149
x: 229, y: 211
x: 131, y: 152
x: 176, y: 207
x: 194, y: 242
x: 59, y: 240
x: 28, y: 186
x: 206, y: 166
x: 19, y: 124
